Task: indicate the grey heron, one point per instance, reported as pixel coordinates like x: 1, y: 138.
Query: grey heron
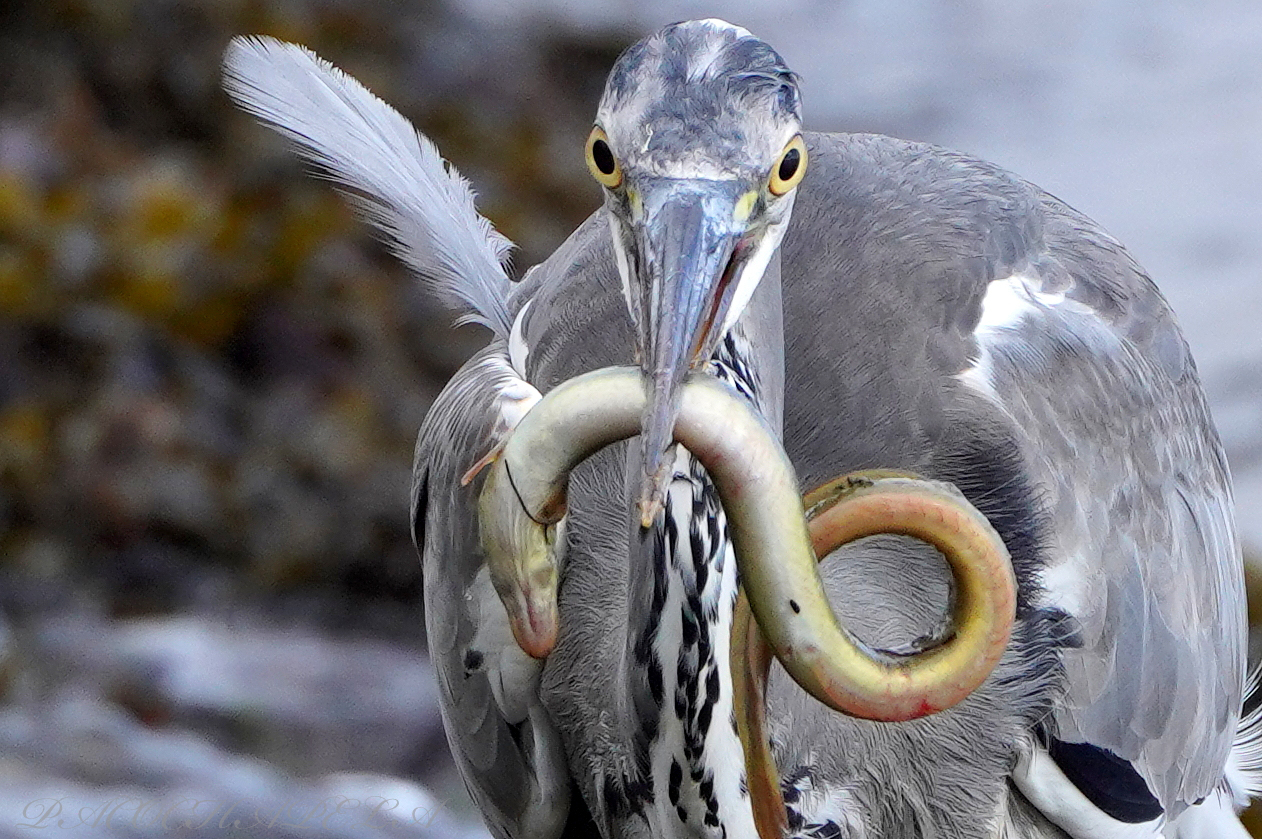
x: 882, y: 305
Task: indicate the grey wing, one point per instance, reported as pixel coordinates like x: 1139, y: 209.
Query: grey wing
x: 504, y: 744
x: 1082, y: 352
x: 1095, y: 416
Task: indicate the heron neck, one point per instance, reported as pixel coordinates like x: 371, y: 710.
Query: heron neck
x: 678, y: 676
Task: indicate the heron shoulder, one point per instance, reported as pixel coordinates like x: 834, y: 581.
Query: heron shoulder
x: 939, y: 227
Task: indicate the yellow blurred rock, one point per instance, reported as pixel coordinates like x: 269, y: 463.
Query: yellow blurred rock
x: 24, y: 437
x: 17, y: 282
x: 20, y: 211
x: 147, y: 287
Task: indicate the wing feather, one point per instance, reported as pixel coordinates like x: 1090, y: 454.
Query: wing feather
x: 1144, y: 553
x: 503, y: 742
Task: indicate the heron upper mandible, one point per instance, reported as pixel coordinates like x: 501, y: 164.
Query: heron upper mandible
x: 883, y: 305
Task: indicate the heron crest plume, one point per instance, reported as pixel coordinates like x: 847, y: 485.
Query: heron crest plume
x: 392, y: 172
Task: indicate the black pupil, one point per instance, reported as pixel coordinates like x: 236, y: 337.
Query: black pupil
x: 602, y: 157
x: 789, y: 164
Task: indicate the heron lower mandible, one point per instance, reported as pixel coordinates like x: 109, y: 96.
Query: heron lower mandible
x: 882, y: 305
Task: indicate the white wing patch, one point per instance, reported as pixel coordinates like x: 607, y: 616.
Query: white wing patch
x: 514, y: 396
x: 1066, y: 587
x: 517, y: 349
x: 517, y: 396
x: 1012, y: 299
x: 1006, y: 304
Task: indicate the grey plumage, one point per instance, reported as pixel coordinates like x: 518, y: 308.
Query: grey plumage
x: 966, y: 750
x: 501, y: 738
x: 1155, y: 553
x: 902, y: 401
x: 926, y: 311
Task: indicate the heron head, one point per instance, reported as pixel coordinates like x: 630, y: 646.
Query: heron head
x: 698, y: 146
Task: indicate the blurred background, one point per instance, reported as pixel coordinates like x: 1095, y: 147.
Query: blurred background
x: 212, y: 375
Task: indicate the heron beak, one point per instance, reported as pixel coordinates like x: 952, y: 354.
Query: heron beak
x: 691, y: 246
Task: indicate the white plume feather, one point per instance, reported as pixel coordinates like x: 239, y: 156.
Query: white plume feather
x: 393, y: 172
x: 1244, y: 765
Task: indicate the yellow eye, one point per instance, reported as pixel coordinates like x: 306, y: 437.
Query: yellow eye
x: 789, y: 168
x: 600, y: 160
